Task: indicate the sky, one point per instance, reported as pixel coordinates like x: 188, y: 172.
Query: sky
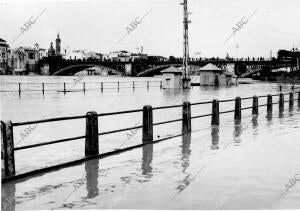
x: 252, y: 28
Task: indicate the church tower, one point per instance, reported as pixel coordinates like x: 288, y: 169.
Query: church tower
x: 58, y: 41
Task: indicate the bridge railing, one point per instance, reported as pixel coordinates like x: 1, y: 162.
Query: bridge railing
x: 91, y: 135
x: 75, y: 86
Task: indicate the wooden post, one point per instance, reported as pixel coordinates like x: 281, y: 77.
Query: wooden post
x: 269, y: 104
x: 147, y: 124
x: 280, y: 88
x: 92, y: 138
x: 7, y: 149
x: 255, y: 105
x: 186, y: 118
x: 118, y: 85
x: 215, y: 120
x: 147, y: 84
x: 160, y: 84
x: 101, y: 86
x: 238, y: 109
x: 281, y: 102
x: 299, y: 99
x: 83, y: 86
x: 43, y: 87
x: 133, y: 84
x: 291, y: 100
x: 64, y: 87
x: 19, y: 88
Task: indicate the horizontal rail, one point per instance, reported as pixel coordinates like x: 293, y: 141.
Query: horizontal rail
x: 165, y: 122
x: 120, y: 130
x: 48, y: 120
x: 49, y: 142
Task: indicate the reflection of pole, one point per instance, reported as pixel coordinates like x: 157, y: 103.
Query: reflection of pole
x: 92, y: 174
x: 186, y: 78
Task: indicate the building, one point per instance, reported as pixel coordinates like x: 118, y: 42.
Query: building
x: 55, y: 52
x: 211, y: 75
x: 120, y: 56
x: 4, y: 51
x: 172, y: 78
x: 23, y: 60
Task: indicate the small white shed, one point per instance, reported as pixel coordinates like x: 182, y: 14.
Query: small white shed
x: 172, y: 78
x: 211, y: 75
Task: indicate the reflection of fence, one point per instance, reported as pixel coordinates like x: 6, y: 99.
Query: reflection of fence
x: 70, y: 87
x: 92, y: 135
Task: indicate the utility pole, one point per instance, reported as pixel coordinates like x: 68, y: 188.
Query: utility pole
x: 186, y: 81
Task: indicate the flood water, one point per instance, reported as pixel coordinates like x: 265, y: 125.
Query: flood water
x: 237, y: 165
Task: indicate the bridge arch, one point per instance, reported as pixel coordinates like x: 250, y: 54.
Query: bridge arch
x: 73, y: 69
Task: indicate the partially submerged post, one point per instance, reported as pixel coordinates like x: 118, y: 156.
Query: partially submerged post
x: 43, y: 88
x: 255, y: 105
x: 238, y: 109
x: 269, y: 104
x: 215, y: 120
x: 19, y: 88
x: 291, y: 100
x: 147, y: 124
x: 92, y: 138
x: 7, y: 150
x: 281, y: 102
x: 186, y: 118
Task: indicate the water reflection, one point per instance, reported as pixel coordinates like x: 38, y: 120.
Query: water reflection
x: 147, y: 159
x: 186, y: 151
x: 214, y: 137
x: 92, y: 174
x: 8, y: 200
x: 238, y: 130
x: 255, y: 125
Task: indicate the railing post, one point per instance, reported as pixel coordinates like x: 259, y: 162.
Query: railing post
x: 43, y: 87
x: 291, y: 100
x: 186, y: 118
x: 299, y: 99
x: 147, y: 84
x: 147, y: 124
x: 238, y: 109
x: 7, y: 150
x: 160, y: 84
x: 281, y: 102
x: 269, y: 104
x: 83, y: 86
x: 64, y: 87
x: 118, y: 85
x: 92, y: 138
x: 133, y: 84
x: 19, y: 88
x: 215, y: 120
x: 101, y: 86
x: 255, y: 105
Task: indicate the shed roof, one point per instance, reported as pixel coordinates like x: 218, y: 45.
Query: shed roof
x: 210, y: 67
x: 172, y: 69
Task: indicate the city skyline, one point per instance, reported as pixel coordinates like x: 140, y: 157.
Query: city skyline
x: 91, y: 26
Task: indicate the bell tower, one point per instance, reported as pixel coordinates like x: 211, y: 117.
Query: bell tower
x: 58, y: 42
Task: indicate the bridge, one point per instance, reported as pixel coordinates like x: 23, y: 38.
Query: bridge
x: 242, y: 68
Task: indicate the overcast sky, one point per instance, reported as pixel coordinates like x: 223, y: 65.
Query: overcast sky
x: 99, y: 25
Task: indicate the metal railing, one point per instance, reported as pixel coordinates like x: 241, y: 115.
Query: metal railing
x: 92, y: 135
x: 70, y: 87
